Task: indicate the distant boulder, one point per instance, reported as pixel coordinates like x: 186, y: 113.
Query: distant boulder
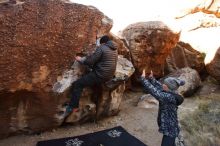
x: 200, y: 26
x: 213, y: 67
x: 149, y: 44
x: 183, y: 55
x: 201, y: 29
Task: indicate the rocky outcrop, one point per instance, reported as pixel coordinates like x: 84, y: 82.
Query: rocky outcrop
x: 191, y: 78
x: 122, y: 48
x: 32, y: 35
x: 201, y: 28
x: 150, y: 43
x: 213, y: 67
x: 183, y: 55
x: 38, y: 42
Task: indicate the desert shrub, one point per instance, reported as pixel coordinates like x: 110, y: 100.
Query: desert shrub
x: 202, y: 127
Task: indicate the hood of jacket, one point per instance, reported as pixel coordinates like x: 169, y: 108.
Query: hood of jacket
x: 111, y: 45
x: 179, y: 98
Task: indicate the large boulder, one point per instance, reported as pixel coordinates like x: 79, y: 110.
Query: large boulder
x: 183, y: 55
x: 38, y: 42
x: 122, y: 46
x: 201, y: 27
x: 150, y: 43
x: 213, y: 67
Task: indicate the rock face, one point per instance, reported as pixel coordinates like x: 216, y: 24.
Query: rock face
x: 183, y: 55
x: 213, y: 67
x: 150, y: 43
x: 192, y: 79
x: 122, y: 48
x: 200, y: 22
x: 38, y: 42
x: 43, y: 30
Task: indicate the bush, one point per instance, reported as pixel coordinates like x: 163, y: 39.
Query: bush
x: 202, y: 127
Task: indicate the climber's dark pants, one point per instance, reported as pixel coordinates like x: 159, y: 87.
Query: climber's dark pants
x: 88, y: 80
x: 168, y: 141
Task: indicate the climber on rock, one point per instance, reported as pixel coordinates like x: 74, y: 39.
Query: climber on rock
x: 103, y: 64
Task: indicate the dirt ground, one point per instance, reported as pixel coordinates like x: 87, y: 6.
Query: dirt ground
x: 140, y: 122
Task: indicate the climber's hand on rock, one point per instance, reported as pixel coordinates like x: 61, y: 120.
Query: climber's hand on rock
x: 78, y: 58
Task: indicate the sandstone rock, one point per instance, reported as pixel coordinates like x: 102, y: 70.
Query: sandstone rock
x: 38, y: 42
x: 147, y: 101
x: 122, y: 46
x: 191, y: 78
x: 203, y: 30
x: 213, y: 67
x: 183, y: 55
x: 150, y: 43
x: 124, y: 69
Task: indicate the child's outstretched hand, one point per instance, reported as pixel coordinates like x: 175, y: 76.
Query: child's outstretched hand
x: 151, y: 74
x: 143, y: 74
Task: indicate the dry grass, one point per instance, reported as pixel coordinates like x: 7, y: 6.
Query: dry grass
x: 202, y: 127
